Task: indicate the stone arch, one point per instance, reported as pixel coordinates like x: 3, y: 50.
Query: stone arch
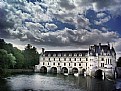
x: 43, y: 69
x: 99, y: 73
x: 75, y: 70
x: 83, y: 71
x: 53, y: 70
x: 64, y: 70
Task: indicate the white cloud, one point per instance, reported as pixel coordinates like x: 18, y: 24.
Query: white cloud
x: 34, y: 26
x: 51, y: 26
x: 102, y: 20
x: 72, y: 12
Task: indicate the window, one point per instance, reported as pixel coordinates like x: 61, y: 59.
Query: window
x: 59, y: 59
x: 106, y: 61
x: 110, y: 61
x: 43, y: 58
x: 69, y: 64
x: 54, y: 59
x: 64, y: 54
x: 79, y: 64
x: 51, y: 55
x: 102, y: 59
x: 48, y: 63
x: 49, y: 59
x: 64, y: 64
x: 69, y: 54
x: 80, y: 59
x: 70, y: 59
x: 64, y: 59
x: 83, y: 54
x: 102, y: 64
x: 74, y: 64
x: 77, y: 55
x: 86, y: 59
x: 58, y: 63
x: 86, y: 64
x: 54, y: 55
x: 75, y: 59
x: 53, y: 63
x: 43, y: 63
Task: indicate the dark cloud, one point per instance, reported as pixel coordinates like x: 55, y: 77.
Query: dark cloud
x: 100, y: 4
x: 66, y: 4
x: 4, y: 24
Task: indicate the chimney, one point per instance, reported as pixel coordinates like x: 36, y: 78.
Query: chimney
x: 108, y: 45
x: 43, y: 50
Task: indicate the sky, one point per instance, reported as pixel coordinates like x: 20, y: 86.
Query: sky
x: 61, y: 24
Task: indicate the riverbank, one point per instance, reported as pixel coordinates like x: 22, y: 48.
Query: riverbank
x: 18, y: 70
x: 7, y: 72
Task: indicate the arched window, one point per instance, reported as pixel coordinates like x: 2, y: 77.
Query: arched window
x: 75, y: 59
x: 74, y: 64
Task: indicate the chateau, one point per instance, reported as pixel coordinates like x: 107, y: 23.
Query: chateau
x: 97, y: 60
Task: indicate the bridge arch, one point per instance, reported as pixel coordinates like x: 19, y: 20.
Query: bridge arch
x: 83, y: 72
x: 99, y: 73
x: 53, y: 70
x: 43, y: 69
x: 75, y: 70
x: 64, y: 70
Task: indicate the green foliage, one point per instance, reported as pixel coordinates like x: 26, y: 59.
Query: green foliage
x: 119, y: 62
x: 31, y: 56
x: 12, y: 57
x: 6, y: 60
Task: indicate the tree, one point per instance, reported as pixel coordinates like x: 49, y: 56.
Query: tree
x: 119, y: 62
x: 19, y: 58
x: 31, y: 56
x: 12, y: 61
x: 6, y: 60
x: 3, y: 59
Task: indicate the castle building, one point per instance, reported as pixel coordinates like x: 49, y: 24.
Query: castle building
x: 98, y: 59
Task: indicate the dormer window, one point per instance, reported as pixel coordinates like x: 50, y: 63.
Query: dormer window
x: 65, y: 54
x: 70, y: 54
x: 83, y: 54
x: 59, y: 54
x: 49, y: 55
x: 75, y: 54
x: 80, y: 54
x: 54, y: 55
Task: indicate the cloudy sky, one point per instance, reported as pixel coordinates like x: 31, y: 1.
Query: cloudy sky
x: 61, y: 24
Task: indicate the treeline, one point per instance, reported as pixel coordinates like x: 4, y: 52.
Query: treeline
x: 13, y: 58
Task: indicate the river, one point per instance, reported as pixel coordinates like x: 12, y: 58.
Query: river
x: 57, y: 82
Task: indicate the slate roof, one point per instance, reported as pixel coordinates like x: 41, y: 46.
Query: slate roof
x: 66, y: 52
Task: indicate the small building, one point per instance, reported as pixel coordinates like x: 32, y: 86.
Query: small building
x: 98, y: 59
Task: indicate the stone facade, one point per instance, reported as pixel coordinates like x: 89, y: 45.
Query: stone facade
x: 97, y: 58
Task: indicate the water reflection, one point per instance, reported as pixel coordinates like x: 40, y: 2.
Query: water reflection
x: 56, y: 82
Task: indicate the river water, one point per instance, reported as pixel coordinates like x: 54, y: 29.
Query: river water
x: 50, y: 82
